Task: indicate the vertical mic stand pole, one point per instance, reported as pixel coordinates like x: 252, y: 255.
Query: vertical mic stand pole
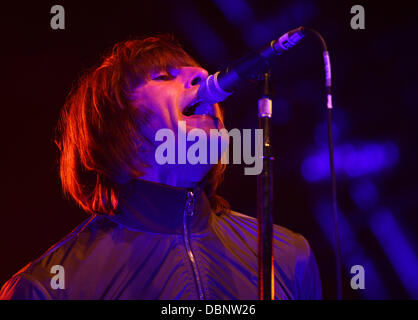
x: 265, y: 198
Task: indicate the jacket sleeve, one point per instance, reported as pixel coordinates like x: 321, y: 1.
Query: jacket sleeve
x: 308, y: 278
x: 21, y: 287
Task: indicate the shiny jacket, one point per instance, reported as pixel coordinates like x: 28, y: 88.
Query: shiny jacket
x: 166, y: 243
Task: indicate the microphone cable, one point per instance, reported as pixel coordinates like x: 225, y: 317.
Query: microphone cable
x: 327, y: 68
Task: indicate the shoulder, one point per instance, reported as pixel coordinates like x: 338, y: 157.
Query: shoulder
x: 23, y: 286
x: 293, y: 257
x: 283, y: 238
x: 33, y: 280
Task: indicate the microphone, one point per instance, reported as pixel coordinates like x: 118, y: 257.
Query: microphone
x: 217, y: 87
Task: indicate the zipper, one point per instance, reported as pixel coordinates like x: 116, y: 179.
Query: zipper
x: 188, y: 212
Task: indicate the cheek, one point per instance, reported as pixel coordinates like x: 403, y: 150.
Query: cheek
x: 160, y: 105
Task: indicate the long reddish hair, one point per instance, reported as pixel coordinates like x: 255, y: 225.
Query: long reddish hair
x: 99, y: 131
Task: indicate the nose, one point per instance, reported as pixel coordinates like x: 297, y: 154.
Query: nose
x: 197, y: 75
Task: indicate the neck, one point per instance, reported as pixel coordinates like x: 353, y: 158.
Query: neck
x: 154, y: 207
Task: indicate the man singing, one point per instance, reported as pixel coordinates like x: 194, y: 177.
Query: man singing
x: 155, y: 231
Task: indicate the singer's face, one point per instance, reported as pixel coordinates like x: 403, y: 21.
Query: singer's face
x: 166, y: 95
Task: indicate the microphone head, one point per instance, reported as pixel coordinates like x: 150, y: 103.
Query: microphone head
x: 210, y: 91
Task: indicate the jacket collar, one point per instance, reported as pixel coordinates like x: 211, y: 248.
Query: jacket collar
x: 158, y: 208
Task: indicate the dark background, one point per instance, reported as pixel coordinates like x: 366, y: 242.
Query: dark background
x: 375, y: 119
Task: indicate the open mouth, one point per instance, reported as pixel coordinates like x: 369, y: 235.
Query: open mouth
x: 200, y: 108
x: 191, y: 108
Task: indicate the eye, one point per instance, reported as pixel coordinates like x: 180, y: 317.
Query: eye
x: 163, y: 77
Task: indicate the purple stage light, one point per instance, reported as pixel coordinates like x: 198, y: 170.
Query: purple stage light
x: 352, y: 252
x: 321, y: 133
x: 208, y: 44
x: 364, y: 193
x: 351, y: 161
x: 397, y: 249
x: 238, y: 12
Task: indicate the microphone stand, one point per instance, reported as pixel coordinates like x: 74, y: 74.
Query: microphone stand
x: 218, y: 87
x: 265, y: 197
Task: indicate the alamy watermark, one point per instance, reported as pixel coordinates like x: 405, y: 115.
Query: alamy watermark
x: 58, y: 280
x: 358, y: 20
x: 58, y: 19
x: 218, y: 146
x: 358, y: 280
